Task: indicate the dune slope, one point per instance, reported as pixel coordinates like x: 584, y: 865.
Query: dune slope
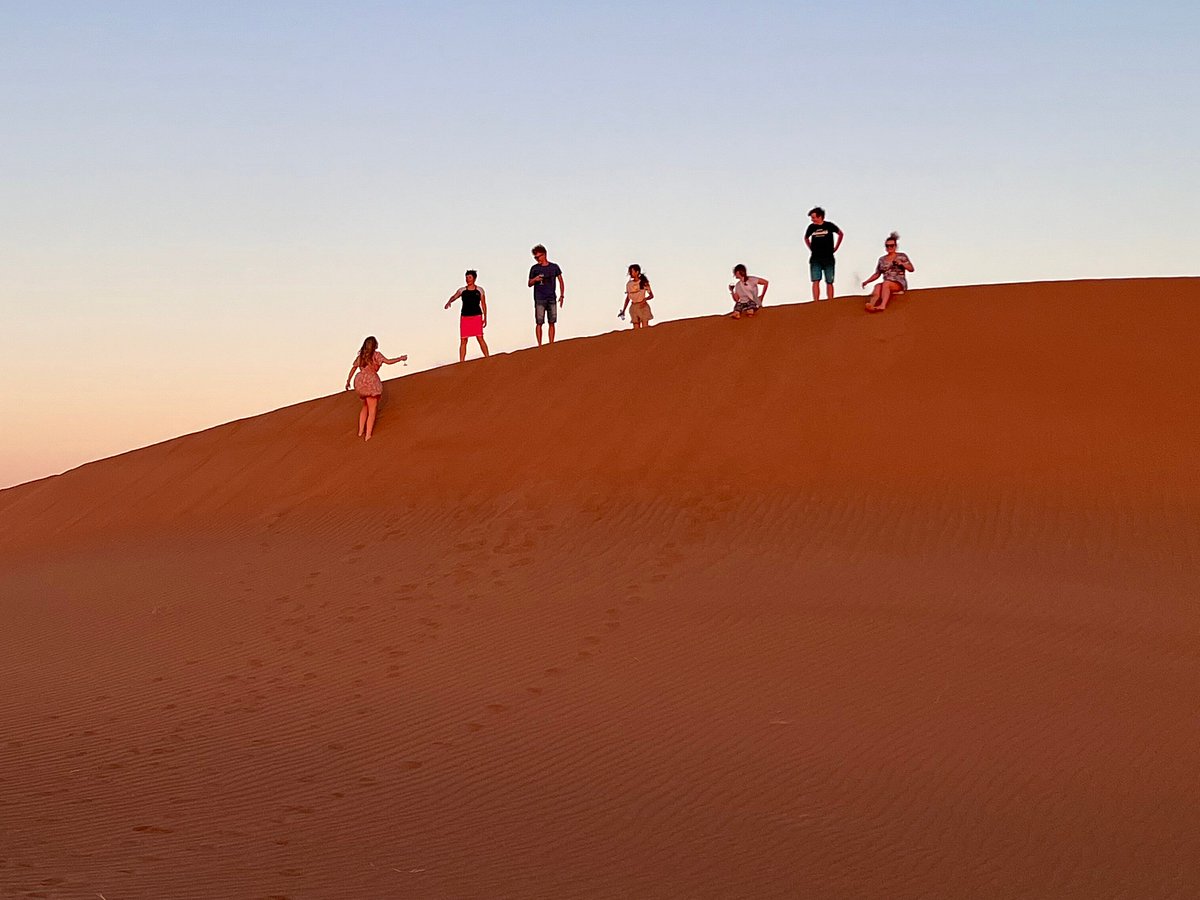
x: 817, y: 604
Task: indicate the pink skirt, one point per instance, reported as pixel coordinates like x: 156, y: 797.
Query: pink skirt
x: 470, y: 326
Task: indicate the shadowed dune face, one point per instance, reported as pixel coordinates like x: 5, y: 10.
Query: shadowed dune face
x: 817, y: 604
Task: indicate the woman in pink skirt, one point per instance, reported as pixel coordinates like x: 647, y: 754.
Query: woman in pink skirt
x: 367, y: 384
x: 474, y: 315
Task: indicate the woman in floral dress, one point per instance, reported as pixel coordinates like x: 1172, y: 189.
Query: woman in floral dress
x: 367, y: 384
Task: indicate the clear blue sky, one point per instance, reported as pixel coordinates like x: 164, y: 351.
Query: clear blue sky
x: 206, y: 206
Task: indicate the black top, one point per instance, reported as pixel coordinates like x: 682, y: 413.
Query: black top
x: 470, y: 302
x: 820, y: 238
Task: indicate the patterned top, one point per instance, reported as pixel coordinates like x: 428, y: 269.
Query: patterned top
x: 366, y: 382
x: 893, y: 270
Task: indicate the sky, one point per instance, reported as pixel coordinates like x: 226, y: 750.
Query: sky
x: 206, y: 206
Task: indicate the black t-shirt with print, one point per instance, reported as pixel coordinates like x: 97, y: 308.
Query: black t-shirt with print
x: 820, y: 238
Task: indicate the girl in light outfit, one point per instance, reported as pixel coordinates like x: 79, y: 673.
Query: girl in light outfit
x: 637, y: 298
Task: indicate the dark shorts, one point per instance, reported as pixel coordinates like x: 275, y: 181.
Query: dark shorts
x: 545, y: 311
x: 817, y: 269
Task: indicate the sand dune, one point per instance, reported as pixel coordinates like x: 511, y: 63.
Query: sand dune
x: 813, y: 605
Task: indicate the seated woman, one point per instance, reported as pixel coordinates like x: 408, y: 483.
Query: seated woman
x: 744, y: 291
x: 891, y: 267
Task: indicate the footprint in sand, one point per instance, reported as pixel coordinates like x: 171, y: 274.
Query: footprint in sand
x: 497, y: 708
x: 535, y: 691
x: 474, y: 726
x: 412, y: 764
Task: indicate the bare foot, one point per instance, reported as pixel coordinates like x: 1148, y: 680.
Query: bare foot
x: 736, y: 315
x: 750, y: 313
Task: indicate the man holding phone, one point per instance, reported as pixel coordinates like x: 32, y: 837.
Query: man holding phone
x: 542, y: 276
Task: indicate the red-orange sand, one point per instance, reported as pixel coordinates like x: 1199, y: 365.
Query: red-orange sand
x: 819, y: 604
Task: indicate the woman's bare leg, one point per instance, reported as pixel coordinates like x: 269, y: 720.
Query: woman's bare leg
x: 874, y: 301
x: 462, y: 349
x: 885, y: 293
x: 483, y: 346
x: 362, y: 419
x: 371, y: 403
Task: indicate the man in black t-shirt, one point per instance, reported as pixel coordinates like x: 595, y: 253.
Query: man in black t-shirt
x: 820, y: 241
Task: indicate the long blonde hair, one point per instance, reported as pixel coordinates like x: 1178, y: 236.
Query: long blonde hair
x: 370, y: 345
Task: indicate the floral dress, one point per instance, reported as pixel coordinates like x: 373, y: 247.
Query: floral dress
x: 366, y: 382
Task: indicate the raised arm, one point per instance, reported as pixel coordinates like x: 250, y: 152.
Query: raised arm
x: 457, y: 294
x: 396, y: 360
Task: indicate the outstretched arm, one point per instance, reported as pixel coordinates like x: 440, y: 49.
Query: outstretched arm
x: 457, y: 294
x: 873, y: 277
x: 396, y: 360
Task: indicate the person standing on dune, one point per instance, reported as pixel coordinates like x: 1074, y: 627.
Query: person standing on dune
x: 745, y: 294
x: 818, y: 237
x: 367, y: 383
x: 638, y: 295
x: 542, y: 277
x: 474, y: 315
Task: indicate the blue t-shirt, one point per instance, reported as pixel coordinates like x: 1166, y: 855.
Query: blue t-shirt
x: 543, y: 291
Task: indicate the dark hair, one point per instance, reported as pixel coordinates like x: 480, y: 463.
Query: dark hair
x: 538, y: 248
x: 472, y: 273
x: 633, y: 266
x: 740, y: 268
x: 894, y: 236
x: 817, y: 211
x: 370, y: 345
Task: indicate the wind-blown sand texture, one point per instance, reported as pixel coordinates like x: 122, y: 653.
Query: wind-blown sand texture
x: 814, y: 605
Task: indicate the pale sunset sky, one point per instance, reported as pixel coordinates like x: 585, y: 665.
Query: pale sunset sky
x: 205, y: 206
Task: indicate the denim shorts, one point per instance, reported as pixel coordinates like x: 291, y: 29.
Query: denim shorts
x: 815, y: 269
x: 545, y: 311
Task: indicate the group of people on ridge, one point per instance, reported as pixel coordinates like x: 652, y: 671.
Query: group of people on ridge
x: 748, y: 292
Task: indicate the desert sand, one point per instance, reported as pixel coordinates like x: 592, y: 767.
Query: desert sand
x: 818, y: 604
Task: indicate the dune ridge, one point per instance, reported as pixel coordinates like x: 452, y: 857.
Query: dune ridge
x: 817, y: 604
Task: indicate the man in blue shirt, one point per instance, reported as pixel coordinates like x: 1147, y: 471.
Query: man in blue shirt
x: 541, y: 278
